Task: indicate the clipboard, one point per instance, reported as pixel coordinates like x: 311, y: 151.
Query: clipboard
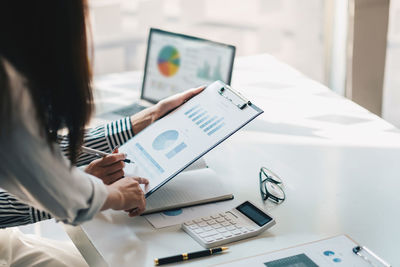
x: 169, y: 145
x: 334, y: 251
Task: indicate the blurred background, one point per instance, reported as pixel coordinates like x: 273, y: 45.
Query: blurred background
x: 288, y: 29
x: 309, y: 35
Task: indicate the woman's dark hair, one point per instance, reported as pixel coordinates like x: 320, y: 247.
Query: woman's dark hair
x: 46, y: 42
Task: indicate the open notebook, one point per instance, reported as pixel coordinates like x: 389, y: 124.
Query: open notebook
x: 191, y: 187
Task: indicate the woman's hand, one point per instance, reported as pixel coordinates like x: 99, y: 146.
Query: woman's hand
x: 126, y: 194
x: 109, y: 168
x: 144, y: 118
x: 170, y: 103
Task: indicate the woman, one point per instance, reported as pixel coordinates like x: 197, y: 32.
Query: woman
x: 109, y: 169
x: 45, y: 87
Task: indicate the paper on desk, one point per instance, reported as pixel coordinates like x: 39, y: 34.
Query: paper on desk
x: 335, y: 251
x: 169, y: 218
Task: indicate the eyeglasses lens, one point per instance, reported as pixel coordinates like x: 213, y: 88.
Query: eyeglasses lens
x: 269, y: 175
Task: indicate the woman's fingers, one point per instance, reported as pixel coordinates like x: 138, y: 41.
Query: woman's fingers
x: 112, y: 158
x: 192, y: 92
x: 172, y: 102
x: 186, y: 95
x: 110, y: 169
x: 109, y: 179
x: 141, y: 180
x: 125, y: 194
x: 135, y: 212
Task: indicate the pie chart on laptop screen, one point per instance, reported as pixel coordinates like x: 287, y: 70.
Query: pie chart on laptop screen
x: 168, y: 61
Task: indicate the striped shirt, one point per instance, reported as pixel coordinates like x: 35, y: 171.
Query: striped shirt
x: 105, y: 138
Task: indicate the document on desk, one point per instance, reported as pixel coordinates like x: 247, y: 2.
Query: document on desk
x: 169, y: 145
x: 335, y: 251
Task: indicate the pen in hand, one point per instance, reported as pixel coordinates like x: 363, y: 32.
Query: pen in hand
x: 99, y: 153
x: 188, y: 256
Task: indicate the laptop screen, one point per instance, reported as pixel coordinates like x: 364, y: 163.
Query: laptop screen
x: 176, y: 62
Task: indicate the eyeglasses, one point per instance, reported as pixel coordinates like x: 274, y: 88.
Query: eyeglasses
x: 271, y: 186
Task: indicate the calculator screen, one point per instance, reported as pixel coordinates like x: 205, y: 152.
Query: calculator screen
x: 254, y: 214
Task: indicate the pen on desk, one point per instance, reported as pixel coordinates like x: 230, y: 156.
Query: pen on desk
x: 357, y: 250
x: 99, y: 153
x: 188, y: 256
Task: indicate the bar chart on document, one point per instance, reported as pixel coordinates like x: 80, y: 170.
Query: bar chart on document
x: 167, y: 146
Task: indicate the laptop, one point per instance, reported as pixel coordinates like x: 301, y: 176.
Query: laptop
x: 176, y: 62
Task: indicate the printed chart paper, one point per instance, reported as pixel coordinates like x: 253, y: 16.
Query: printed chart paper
x: 167, y: 146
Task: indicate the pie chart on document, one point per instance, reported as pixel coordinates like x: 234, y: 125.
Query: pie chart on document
x: 175, y: 212
x: 165, y: 140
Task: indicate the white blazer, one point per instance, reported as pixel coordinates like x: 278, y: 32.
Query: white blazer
x: 38, y: 175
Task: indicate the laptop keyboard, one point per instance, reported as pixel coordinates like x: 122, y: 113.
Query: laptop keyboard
x: 129, y: 110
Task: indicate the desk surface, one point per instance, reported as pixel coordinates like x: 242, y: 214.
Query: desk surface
x: 339, y: 164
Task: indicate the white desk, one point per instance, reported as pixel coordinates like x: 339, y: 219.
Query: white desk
x: 339, y: 164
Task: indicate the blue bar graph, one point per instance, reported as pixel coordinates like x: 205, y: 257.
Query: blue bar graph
x: 190, y: 110
x: 216, y: 129
x: 176, y: 150
x: 202, y: 119
x: 150, y: 158
x: 194, y: 113
x: 210, y: 124
x: 198, y: 116
x: 207, y: 122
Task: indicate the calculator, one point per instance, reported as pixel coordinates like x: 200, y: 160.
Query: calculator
x: 243, y: 221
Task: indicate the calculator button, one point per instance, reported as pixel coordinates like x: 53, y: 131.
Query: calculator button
x: 202, y: 224
x: 193, y: 226
x: 225, y: 224
x: 233, y: 222
x: 227, y: 234
x: 229, y: 217
x: 218, y: 237
x: 198, y: 220
x: 221, y: 230
x: 198, y: 231
x: 209, y: 233
x: 207, y: 228
x: 212, y: 232
x: 223, y: 214
x: 230, y: 228
x: 189, y: 223
x: 210, y: 222
x: 207, y: 218
x: 209, y: 239
x: 215, y: 216
x: 203, y: 235
x: 236, y: 232
x: 216, y: 226
x: 220, y: 220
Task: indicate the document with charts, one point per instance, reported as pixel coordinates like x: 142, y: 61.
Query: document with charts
x: 169, y: 145
x: 330, y: 252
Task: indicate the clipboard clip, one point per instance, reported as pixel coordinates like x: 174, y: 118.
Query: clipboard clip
x: 234, y: 96
x: 358, y: 250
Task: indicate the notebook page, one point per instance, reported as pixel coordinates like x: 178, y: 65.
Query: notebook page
x: 189, y: 187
